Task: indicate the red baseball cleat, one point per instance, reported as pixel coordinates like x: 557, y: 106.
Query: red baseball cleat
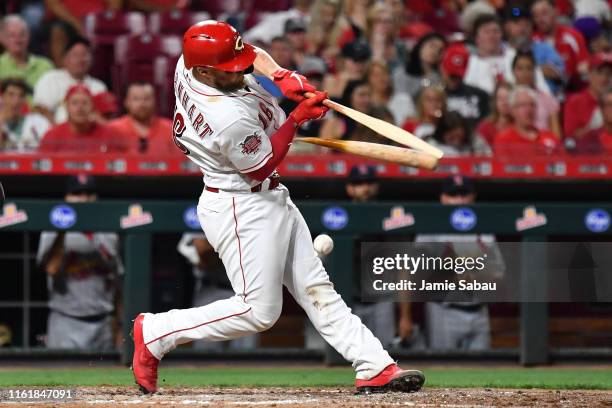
x: 392, y: 378
x: 144, y: 364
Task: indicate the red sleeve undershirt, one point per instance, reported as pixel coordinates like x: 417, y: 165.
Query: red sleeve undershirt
x: 280, y: 140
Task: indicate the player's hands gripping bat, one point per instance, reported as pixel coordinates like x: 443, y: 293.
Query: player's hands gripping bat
x: 310, y: 109
x: 292, y: 85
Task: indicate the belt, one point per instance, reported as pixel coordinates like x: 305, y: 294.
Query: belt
x: 274, y: 182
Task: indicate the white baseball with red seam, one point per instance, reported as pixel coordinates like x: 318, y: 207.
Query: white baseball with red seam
x: 323, y: 244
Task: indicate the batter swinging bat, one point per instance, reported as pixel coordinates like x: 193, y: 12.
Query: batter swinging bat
x: 377, y: 151
x: 383, y: 128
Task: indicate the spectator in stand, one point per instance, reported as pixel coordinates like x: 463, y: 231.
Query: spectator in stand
x: 51, y: 88
x: 518, y: 27
x: 363, y: 133
x: 280, y: 49
x: 84, y: 273
x: 492, y: 61
x: 602, y: 138
x: 356, y: 12
x: 547, y: 115
x: 400, y: 104
x: 80, y: 133
x: 106, y: 106
x: 16, y: 61
x: 453, y: 135
x: 500, y: 117
x: 19, y: 131
x: 352, y: 67
x: 523, y: 137
x: 140, y: 126
x: 581, y: 112
x: 431, y: 105
x: 295, y: 32
x: 595, y: 36
x: 273, y: 24
x: 471, y: 102
x: 598, y: 140
x: 568, y: 42
x: 68, y: 19
x: 382, y: 34
x: 326, y: 25
x: 357, y: 95
x: 422, y: 67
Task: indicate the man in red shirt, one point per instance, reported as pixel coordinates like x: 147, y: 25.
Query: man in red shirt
x: 523, y: 138
x: 581, y: 113
x: 144, y: 131
x: 80, y: 133
x: 568, y: 42
x: 599, y: 140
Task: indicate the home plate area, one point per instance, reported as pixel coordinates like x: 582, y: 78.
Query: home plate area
x: 106, y: 396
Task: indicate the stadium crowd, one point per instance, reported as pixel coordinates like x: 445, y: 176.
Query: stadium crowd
x: 483, y: 77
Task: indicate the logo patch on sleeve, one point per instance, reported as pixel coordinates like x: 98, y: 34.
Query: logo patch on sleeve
x: 251, y: 144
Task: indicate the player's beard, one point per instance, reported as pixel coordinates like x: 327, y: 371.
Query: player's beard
x: 229, y: 86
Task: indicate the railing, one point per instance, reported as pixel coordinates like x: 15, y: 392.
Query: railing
x: 330, y: 165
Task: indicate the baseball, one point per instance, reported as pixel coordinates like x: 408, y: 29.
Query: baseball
x: 323, y: 244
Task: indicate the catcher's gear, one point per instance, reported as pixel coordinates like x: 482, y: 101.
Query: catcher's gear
x: 218, y: 45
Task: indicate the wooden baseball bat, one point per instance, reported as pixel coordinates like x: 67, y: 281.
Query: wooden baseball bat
x: 393, y: 154
x: 383, y: 128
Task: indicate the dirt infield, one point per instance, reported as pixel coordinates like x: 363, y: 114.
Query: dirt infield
x: 325, y: 397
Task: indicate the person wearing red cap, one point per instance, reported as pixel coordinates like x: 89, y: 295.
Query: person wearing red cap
x: 581, y: 112
x: 236, y: 133
x: 140, y: 126
x: 80, y: 133
x: 471, y: 102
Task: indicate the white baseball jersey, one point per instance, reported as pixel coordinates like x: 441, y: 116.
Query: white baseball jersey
x: 225, y: 133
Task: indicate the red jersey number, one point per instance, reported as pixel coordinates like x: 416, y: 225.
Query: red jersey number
x: 178, y: 127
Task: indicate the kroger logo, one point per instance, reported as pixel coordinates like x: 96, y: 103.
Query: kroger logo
x: 597, y: 220
x: 63, y: 216
x: 463, y: 219
x: 335, y: 218
x: 190, y: 216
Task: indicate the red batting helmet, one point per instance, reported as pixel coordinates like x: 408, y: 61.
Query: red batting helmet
x: 218, y: 45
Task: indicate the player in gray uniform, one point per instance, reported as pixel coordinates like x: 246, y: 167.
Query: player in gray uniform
x: 460, y: 325
x: 83, y: 270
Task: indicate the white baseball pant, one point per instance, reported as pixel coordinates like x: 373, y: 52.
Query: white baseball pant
x: 264, y: 243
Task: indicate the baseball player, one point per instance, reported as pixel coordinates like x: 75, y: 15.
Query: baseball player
x: 236, y: 133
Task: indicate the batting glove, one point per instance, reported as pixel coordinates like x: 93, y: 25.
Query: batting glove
x: 310, y: 109
x: 292, y: 84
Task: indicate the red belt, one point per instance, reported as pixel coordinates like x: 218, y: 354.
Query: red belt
x: 274, y: 182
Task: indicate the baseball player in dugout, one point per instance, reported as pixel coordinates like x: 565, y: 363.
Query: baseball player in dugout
x: 237, y: 134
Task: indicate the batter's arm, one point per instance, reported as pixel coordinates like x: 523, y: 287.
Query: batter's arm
x: 265, y: 64
x: 292, y: 84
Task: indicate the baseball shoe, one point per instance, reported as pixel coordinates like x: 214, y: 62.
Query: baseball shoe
x: 144, y: 364
x: 392, y: 378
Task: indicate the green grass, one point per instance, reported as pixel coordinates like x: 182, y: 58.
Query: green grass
x: 553, y: 378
